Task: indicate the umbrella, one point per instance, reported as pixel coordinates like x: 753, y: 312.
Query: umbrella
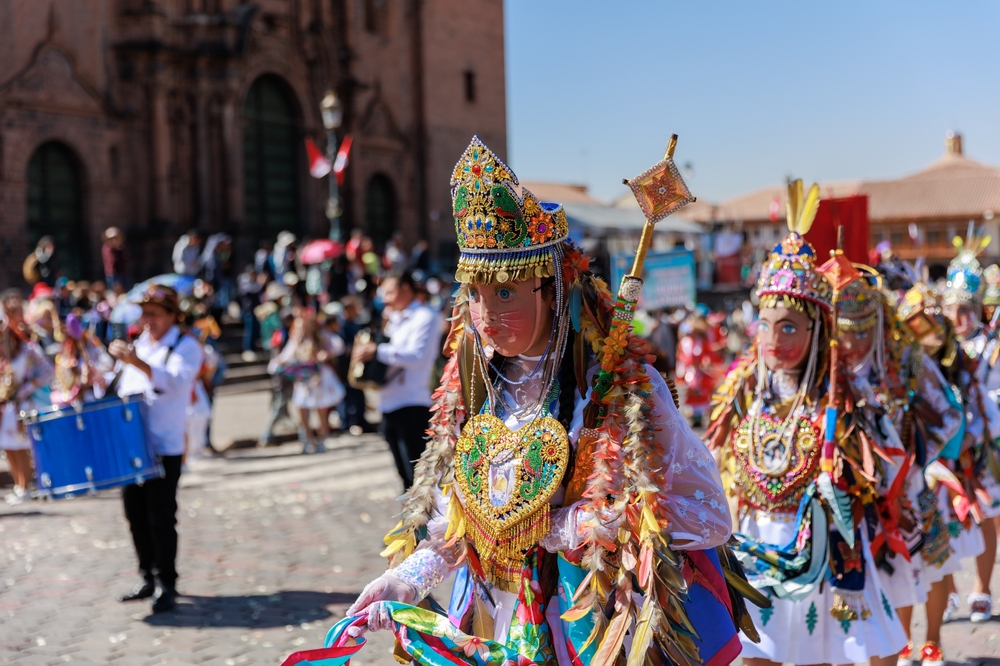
x: 319, y: 251
x: 182, y: 284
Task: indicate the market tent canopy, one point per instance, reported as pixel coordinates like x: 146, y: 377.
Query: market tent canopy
x: 607, y: 218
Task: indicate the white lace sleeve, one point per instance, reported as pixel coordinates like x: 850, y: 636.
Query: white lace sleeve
x: 698, y: 512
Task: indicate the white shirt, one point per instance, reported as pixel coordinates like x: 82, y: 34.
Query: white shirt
x: 413, y: 347
x: 168, y: 394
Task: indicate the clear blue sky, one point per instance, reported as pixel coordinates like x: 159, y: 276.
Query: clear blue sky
x: 756, y: 90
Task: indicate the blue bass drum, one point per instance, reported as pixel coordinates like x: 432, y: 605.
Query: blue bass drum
x: 90, y: 447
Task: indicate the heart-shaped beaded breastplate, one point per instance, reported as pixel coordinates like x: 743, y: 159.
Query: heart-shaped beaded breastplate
x: 507, y: 479
x: 775, y: 463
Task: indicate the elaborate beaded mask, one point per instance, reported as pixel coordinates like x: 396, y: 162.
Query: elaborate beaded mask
x: 503, y: 237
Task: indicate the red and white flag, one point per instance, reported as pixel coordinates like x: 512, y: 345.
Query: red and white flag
x: 775, y: 209
x: 340, y: 165
x: 319, y: 166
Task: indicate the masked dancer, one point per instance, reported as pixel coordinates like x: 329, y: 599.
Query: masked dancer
x: 979, y: 464
x: 768, y: 429
x: 571, y: 526
x: 916, y: 416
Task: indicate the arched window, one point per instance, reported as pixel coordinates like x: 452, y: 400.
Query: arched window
x: 380, y: 208
x: 270, y: 159
x: 55, y: 206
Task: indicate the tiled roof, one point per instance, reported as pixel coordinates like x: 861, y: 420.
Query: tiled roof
x: 561, y: 193
x: 756, y: 206
x: 951, y: 187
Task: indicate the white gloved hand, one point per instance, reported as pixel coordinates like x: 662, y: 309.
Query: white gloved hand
x: 563, y: 535
x: 386, y: 587
x: 608, y: 520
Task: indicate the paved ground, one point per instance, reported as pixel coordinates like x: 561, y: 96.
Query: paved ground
x: 274, y: 547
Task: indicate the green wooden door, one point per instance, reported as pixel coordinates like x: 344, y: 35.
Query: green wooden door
x: 55, y: 207
x: 270, y: 159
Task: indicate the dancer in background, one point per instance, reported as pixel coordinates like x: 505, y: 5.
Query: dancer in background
x: 698, y: 363
x: 307, y: 360
x: 82, y: 365
x: 920, y: 310
x: 767, y: 428
x: 24, y: 370
x: 979, y: 464
x: 924, y: 417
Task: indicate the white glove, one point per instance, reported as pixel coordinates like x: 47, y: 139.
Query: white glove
x: 565, y: 533
x: 386, y: 587
x: 408, y: 583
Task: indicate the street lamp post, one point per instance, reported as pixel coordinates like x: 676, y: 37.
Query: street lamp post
x: 333, y: 114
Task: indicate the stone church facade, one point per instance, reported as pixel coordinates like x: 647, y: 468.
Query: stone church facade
x: 160, y: 116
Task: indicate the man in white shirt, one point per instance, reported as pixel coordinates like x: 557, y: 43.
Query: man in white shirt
x: 162, y: 365
x: 414, y: 332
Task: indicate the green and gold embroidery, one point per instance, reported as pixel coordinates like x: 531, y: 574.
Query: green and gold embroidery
x: 507, y: 479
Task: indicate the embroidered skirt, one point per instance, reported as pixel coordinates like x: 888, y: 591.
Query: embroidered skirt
x: 804, y: 632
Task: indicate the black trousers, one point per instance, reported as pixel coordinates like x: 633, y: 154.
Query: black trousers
x: 406, y: 430
x: 151, y: 511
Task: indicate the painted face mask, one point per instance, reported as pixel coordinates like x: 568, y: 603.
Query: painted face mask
x: 784, y: 335
x: 510, y: 317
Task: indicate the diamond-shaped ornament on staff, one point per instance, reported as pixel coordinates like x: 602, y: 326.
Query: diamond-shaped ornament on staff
x: 838, y: 270
x: 660, y: 190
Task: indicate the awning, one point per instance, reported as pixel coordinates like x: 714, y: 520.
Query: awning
x: 607, y: 218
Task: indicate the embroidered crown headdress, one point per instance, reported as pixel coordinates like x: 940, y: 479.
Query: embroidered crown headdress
x: 791, y: 268
x: 860, y: 301
x: 503, y: 237
x: 965, y: 283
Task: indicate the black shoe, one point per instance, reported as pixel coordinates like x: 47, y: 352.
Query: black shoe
x: 143, y: 590
x: 165, y: 599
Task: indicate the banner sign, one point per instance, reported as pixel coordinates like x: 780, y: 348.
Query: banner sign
x: 668, y: 276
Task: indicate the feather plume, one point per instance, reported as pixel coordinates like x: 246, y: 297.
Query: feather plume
x: 793, y: 205
x: 808, y: 212
x: 801, y: 211
x: 614, y: 637
x: 645, y: 627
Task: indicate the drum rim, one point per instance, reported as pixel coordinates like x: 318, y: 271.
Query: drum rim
x: 47, y: 413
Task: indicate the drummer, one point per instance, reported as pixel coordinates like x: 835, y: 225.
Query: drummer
x: 162, y: 364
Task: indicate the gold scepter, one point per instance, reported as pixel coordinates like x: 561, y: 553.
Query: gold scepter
x: 660, y: 191
x: 646, y: 239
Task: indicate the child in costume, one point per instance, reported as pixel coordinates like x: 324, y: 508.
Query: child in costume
x: 979, y: 464
x: 24, y: 370
x: 768, y: 431
x: 307, y: 359
x: 578, y: 512
x: 923, y: 417
x: 81, y: 365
